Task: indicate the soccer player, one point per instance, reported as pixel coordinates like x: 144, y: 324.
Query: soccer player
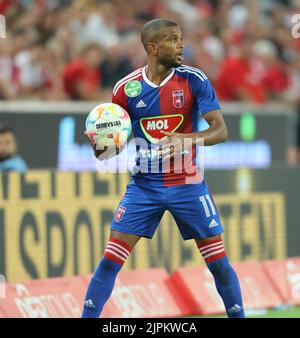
x: 165, y: 100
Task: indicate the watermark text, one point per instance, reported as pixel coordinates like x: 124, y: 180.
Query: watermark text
x: 296, y: 26
x: 2, y: 27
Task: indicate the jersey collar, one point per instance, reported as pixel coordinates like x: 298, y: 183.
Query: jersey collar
x: 153, y: 84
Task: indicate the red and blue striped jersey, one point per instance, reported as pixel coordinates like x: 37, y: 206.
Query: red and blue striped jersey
x: 175, y: 105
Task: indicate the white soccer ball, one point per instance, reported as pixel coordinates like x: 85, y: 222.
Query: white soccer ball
x: 108, y: 125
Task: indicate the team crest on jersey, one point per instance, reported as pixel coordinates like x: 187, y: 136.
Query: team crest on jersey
x: 178, y: 98
x: 152, y: 126
x: 120, y: 213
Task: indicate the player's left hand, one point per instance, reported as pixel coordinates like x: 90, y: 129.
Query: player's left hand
x: 173, y: 144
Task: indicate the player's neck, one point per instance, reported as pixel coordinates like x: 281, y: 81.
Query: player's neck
x: 156, y: 73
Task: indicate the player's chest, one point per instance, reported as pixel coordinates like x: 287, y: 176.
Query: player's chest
x: 166, y: 100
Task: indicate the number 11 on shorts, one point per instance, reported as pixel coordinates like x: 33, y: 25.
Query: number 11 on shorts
x: 203, y: 199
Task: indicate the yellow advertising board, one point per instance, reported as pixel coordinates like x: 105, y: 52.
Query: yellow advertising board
x: 57, y: 224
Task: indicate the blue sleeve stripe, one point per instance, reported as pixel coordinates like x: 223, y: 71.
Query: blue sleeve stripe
x: 197, y: 70
x: 191, y: 72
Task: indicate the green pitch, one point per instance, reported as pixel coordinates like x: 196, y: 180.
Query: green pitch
x: 287, y: 313
x: 292, y: 312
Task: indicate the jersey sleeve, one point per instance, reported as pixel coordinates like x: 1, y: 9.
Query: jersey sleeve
x: 205, y: 95
x: 118, y: 97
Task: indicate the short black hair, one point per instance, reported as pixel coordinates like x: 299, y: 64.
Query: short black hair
x: 6, y: 129
x: 153, y: 30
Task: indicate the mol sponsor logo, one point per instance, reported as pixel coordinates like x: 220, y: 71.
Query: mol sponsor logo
x: 152, y: 126
x: 158, y: 125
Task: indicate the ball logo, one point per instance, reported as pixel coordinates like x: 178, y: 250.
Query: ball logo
x: 152, y: 126
x: 133, y: 88
x: 108, y: 124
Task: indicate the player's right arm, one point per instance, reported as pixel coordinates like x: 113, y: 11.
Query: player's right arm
x: 119, y: 98
x: 96, y: 151
x: 118, y: 95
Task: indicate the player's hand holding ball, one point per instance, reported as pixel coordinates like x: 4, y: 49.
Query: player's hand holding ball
x: 108, y: 127
x: 97, y: 153
x: 173, y: 143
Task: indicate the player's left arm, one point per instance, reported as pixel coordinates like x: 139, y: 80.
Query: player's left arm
x: 210, y: 109
x: 217, y: 131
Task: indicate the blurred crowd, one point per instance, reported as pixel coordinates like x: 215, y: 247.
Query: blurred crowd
x: 63, y: 49
x: 78, y: 49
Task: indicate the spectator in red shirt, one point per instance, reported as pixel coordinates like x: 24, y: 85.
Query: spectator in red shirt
x: 274, y: 74
x: 82, y: 76
x: 4, y: 6
x: 239, y: 79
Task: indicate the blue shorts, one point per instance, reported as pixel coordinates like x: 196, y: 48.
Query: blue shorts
x: 192, y: 206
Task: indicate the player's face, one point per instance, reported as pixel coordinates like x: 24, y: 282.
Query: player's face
x: 170, y: 48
